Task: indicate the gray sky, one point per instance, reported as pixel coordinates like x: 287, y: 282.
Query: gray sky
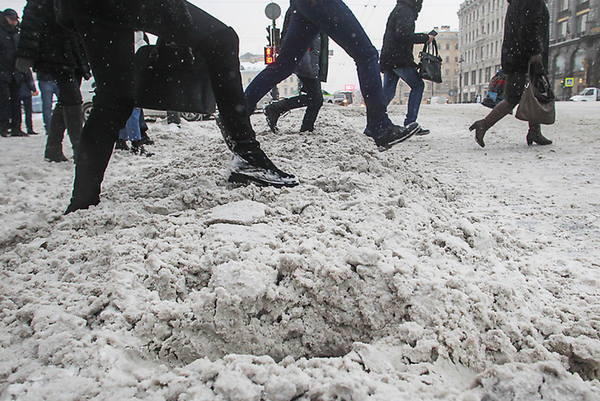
x: 248, y: 19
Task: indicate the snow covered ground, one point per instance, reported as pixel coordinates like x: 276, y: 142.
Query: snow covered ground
x: 434, y: 271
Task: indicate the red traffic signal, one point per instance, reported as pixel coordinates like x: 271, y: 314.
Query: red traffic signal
x: 270, y: 55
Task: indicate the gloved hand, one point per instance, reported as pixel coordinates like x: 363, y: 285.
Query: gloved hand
x: 23, y: 64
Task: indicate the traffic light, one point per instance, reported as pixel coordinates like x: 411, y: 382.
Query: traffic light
x: 270, y: 55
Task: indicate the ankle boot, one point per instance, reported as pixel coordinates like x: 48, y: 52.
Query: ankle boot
x: 272, y: 112
x: 534, y: 135
x: 56, y: 132
x: 482, y: 126
x: 73, y: 116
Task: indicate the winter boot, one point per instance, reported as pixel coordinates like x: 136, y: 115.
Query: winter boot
x: 73, y: 116
x: 272, y: 112
x: 482, y: 126
x: 56, y: 132
x: 534, y: 135
x: 4, y: 132
x: 17, y: 132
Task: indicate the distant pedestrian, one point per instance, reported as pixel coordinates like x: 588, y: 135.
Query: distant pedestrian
x: 27, y: 90
x: 526, y: 42
x: 48, y: 90
x: 50, y: 48
x: 132, y: 132
x: 10, y: 111
x: 336, y: 20
x: 311, y: 71
x: 397, y: 60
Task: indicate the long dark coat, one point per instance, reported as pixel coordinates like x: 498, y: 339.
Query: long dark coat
x: 53, y: 49
x: 8, y: 50
x: 526, y: 33
x: 400, y: 37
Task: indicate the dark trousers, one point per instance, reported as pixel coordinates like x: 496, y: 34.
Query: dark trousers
x: 10, y: 105
x: 67, y: 114
x: 311, y: 97
x: 336, y: 20
x: 27, y: 103
x: 114, y: 100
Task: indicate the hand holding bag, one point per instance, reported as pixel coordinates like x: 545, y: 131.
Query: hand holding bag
x: 537, y: 102
x: 430, y: 66
x: 169, y: 77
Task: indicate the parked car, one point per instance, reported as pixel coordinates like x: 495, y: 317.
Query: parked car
x: 327, y: 97
x: 87, y: 92
x: 587, y: 95
x: 343, y: 98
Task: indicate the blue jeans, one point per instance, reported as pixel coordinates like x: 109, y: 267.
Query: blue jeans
x: 416, y: 84
x: 132, y: 131
x: 335, y: 19
x: 48, y: 89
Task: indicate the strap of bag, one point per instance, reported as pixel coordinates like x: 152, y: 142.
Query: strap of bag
x: 434, y: 45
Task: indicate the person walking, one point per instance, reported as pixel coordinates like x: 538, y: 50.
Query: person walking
x: 49, y: 48
x: 525, y: 46
x: 311, y: 71
x: 9, y: 86
x: 397, y: 60
x: 108, y: 34
x: 27, y: 89
x: 48, y: 90
x: 334, y: 19
x: 132, y: 132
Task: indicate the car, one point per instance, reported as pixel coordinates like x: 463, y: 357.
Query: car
x: 587, y: 95
x: 87, y: 92
x: 342, y: 98
x: 327, y: 97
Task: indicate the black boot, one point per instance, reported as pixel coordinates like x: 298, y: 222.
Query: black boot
x: 56, y: 132
x: 272, y: 112
x: 482, y: 126
x: 137, y: 148
x: 534, y: 135
x: 73, y: 116
x: 4, y: 132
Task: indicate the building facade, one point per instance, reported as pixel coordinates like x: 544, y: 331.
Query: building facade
x: 481, y: 30
x: 574, y: 45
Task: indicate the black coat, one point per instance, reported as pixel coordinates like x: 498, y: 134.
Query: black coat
x: 400, y: 37
x: 52, y: 48
x: 8, y: 50
x: 526, y: 33
x: 140, y: 15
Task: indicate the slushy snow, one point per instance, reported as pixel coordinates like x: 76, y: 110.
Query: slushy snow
x: 434, y: 271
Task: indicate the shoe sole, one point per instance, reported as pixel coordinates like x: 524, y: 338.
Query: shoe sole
x: 423, y: 133
x: 238, y: 178
x: 404, y: 138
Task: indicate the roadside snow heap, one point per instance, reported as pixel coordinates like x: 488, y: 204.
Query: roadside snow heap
x: 376, y: 279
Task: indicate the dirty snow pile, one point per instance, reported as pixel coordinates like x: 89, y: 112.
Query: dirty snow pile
x: 434, y: 271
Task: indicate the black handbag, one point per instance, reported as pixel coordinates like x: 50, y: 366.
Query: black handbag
x: 430, y: 66
x: 169, y: 77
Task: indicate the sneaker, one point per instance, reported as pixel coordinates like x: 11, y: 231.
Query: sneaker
x: 394, y: 135
x: 256, y: 167
x: 422, y: 132
x: 32, y: 133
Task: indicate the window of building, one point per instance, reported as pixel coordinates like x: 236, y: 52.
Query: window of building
x: 466, y: 78
x: 579, y: 60
x: 563, y: 29
x: 473, y: 77
x: 581, y: 23
x: 563, y: 5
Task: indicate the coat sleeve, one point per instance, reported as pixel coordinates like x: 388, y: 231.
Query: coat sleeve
x: 404, y: 31
x: 31, y: 27
x: 535, y: 34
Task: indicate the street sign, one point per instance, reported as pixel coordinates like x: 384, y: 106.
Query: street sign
x: 273, y: 11
x: 569, y: 82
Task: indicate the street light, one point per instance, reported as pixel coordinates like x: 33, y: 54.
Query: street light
x: 460, y: 79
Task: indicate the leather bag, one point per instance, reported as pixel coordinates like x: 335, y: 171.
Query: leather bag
x: 537, y: 102
x: 169, y: 77
x: 430, y: 66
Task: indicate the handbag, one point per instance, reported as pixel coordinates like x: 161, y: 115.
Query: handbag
x: 170, y: 77
x: 537, y: 102
x: 430, y: 66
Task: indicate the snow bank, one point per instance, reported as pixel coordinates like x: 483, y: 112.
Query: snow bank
x: 405, y: 275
